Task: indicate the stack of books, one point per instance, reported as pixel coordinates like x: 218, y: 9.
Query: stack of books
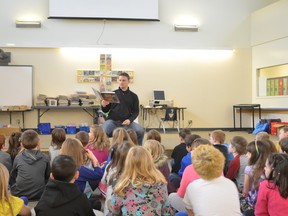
x: 85, y: 100
x: 41, y: 100
x: 74, y: 100
x: 63, y: 100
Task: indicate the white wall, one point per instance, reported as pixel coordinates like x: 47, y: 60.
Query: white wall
x: 270, y: 47
x: 207, y: 84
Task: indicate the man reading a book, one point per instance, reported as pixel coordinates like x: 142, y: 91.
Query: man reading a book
x: 124, y: 113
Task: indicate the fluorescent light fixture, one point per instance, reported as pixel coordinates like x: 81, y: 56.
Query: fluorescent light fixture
x: 191, y: 28
x: 28, y: 24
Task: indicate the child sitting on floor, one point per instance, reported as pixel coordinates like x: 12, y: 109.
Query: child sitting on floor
x: 180, y: 150
x: 141, y: 188
x: 238, y: 164
x: 161, y: 160
x: 273, y: 192
x: 31, y: 168
x: 4, y: 156
x: 61, y: 196
x: 98, y: 143
x: 83, y: 136
x: 14, y: 145
x: 10, y: 205
x: 58, y: 137
x: 90, y: 172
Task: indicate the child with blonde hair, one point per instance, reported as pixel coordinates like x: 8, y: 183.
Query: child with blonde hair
x: 4, y: 156
x: 217, y: 139
x: 98, y: 143
x: 114, y: 170
x: 212, y: 194
x: 189, y: 175
x: 89, y: 176
x: 10, y: 205
x: 132, y: 135
x: 160, y: 160
x: 262, y: 136
x: 141, y: 188
x: 119, y: 135
x: 154, y: 135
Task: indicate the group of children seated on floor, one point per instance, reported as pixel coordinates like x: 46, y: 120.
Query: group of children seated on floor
x: 203, y: 177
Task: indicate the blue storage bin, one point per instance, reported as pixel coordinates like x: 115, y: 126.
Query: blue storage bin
x: 71, y: 129
x: 44, y: 128
x: 84, y: 128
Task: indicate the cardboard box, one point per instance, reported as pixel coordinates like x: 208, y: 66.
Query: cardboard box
x: 8, y: 131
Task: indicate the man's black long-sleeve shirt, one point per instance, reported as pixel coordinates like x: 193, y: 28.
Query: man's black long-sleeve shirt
x: 128, y: 108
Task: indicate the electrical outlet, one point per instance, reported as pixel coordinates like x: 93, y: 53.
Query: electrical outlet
x: 18, y: 121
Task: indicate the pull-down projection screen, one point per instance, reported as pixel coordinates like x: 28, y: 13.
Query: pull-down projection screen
x: 104, y: 9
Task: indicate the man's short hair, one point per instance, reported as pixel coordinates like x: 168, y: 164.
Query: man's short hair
x: 208, y: 161
x: 63, y: 168
x: 284, y: 144
x: 190, y: 139
x: 29, y: 139
x: 125, y: 75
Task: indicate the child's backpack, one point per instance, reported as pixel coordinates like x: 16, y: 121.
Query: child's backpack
x: 264, y: 125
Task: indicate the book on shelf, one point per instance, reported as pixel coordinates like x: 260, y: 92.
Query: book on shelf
x: 268, y: 87
x: 285, y: 86
x: 107, y: 96
x: 272, y: 87
x: 276, y: 87
x: 280, y: 86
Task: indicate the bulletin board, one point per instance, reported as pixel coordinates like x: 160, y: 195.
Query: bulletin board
x: 16, y: 86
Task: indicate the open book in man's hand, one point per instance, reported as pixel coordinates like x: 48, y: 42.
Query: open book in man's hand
x: 107, y: 96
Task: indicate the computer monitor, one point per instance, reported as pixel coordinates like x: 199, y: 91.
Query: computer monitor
x: 159, y: 95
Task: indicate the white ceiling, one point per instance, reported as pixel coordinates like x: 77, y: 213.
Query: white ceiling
x: 222, y: 24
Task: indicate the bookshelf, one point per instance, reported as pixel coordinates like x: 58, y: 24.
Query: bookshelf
x: 273, y: 81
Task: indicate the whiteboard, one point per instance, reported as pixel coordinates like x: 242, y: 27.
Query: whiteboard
x: 16, y: 86
x: 105, y: 9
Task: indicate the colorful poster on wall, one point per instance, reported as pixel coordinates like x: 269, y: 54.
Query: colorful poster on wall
x: 105, y: 76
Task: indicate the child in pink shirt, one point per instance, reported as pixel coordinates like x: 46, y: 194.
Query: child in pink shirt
x: 273, y: 192
x: 189, y: 175
x: 98, y: 143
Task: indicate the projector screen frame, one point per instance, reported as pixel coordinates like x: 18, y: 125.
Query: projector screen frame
x: 134, y: 10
